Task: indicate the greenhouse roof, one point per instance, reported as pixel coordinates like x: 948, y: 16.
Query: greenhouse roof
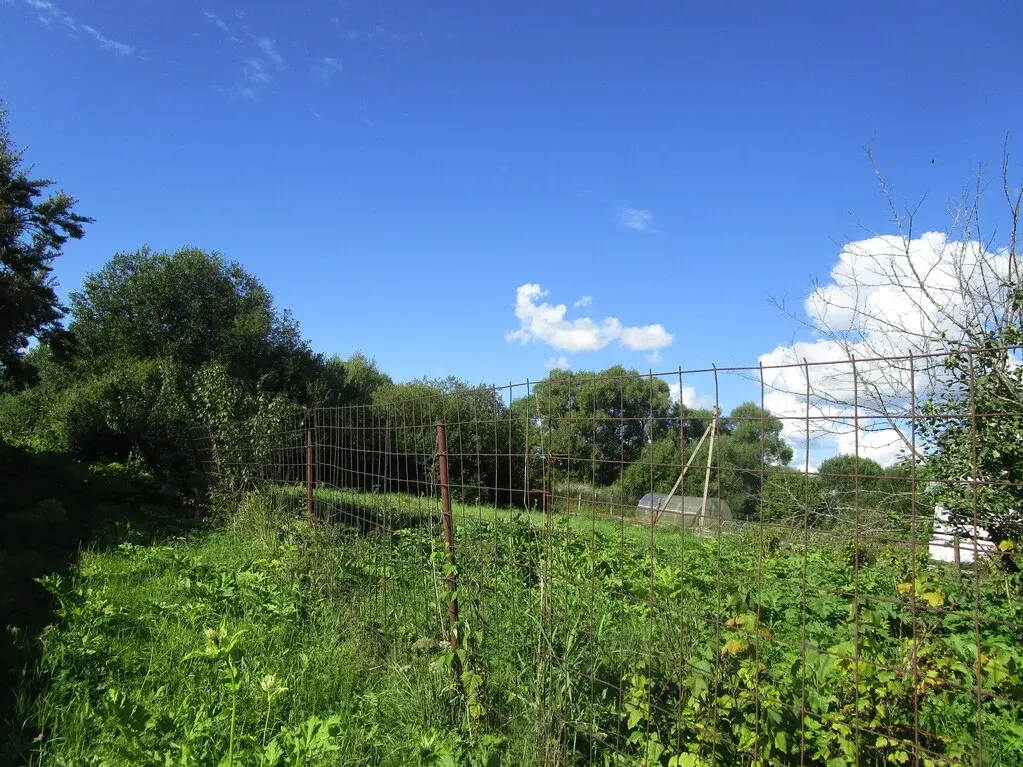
x: 684, y: 504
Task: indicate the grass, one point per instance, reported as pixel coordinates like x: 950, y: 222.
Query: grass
x: 225, y: 648
x: 584, y: 640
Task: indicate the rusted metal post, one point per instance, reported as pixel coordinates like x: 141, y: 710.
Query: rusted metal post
x: 449, y: 545
x: 309, y: 475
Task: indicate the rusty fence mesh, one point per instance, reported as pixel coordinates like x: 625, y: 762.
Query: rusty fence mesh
x: 619, y: 569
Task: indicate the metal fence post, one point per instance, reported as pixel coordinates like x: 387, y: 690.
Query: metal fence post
x: 309, y: 475
x: 449, y: 546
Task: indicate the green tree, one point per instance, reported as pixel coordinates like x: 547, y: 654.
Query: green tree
x: 793, y: 497
x: 748, y: 443
x: 33, y: 231
x: 972, y: 438
x: 598, y: 422
x: 362, y: 379
x: 749, y: 446
x: 194, y: 308
x: 839, y: 477
x: 485, y: 440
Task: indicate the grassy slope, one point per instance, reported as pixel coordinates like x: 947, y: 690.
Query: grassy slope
x: 338, y: 656
x: 143, y: 669
x: 50, y: 505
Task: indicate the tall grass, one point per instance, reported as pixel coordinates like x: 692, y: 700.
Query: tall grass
x: 584, y: 640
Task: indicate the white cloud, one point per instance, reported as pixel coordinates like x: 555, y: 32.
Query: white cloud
x: 654, y: 358
x: 254, y: 70
x: 647, y: 338
x: 547, y: 323
x: 323, y: 68
x: 557, y: 363
x: 51, y: 14
x: 243, y: 92
x: 215, y: 20
x: 269, y: 49
x: 689, y: 397
x: 634, y: 218
x: 584, y: 301
x: 122, y: 49
x: 886, y: 297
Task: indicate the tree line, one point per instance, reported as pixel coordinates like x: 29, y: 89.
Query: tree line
x: 155, y: 344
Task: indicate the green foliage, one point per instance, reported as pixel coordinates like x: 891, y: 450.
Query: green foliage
x: 51, y: 506
x: 595, y: 421
x: 972, y: 433
x: 795, y: 498
x: 33, y: 232
x: 190, y: 307
x: 748, y: 443
x: 244, y: 431
x: 173, y: 349
x: 834, y: 498
x: 586, y: 644
x: 482, y: 432
x: 362, y: 380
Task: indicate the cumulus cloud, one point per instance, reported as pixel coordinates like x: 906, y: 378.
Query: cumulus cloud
x: 688, y: 396
x: 890, y: 304
x: 646, y: 338
x: 548, y: 324
x: 51, y: 14
x: 634, y: 218
x: 557, y: 363
x: 584, y: 301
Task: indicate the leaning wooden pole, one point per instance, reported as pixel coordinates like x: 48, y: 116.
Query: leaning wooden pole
x: 678, y: 482
x: 710, y: 460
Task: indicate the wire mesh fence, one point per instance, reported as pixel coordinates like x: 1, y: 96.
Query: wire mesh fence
x: 604, y: 572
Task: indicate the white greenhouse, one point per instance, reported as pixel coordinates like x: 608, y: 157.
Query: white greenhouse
x: 686, y: 510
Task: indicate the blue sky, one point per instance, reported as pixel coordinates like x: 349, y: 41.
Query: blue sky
x: 394, y: 172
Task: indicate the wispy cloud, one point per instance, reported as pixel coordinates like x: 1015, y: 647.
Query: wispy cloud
x: 557, y: 363
x: 548, y: 324
x: 324, y: 67
x: 269, y: 49
x: 379, y: 34
x: 634, y: 218
x: 259, y: 55
x: 243, y: 92
x: 50, y: 14
x: 216, y: 21
x: 584, y: 301
x: 254, y: 70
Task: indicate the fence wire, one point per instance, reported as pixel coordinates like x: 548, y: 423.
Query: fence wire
x: 631, y: 578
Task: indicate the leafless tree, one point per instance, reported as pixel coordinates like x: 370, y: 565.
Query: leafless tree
x: 898, y: 303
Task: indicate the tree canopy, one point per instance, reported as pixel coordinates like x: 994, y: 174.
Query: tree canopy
x: 748, y: 443
x: 191, y: 307
x: 33, y: 231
